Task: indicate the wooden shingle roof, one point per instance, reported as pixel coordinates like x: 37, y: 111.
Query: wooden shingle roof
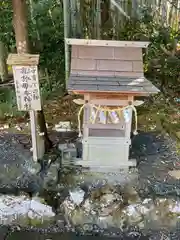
x: 108, y: 66
x: 111, y: 84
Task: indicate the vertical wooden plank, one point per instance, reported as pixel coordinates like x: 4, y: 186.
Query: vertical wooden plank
x: 128, y: 132
x: 128, y: 125
x: 106, y: 115
x: 98, y: 20
x: 92, y: 19
x: 80, y: 32
x: 66, y: 35
x: 134, y: 8
x: 86, y: 116
x: 86, y: 129
x: 33, y: 135
x: 73, y: 14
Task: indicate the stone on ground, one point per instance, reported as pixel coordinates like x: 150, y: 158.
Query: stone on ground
x: 21, y: 211
x: 175, y: 174
x: 109, y: 207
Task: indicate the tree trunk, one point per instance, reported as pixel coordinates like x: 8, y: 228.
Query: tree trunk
x: 3, y: 65
x: 20, y: 22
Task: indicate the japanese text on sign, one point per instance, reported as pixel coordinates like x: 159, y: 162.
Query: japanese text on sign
x: 27, y: 88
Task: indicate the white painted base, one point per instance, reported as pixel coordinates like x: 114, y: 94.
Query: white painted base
x: 117, y: 166
x: 110, y: 152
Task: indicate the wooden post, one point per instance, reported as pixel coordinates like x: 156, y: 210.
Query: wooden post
x: 86, y: 117
x: 128, y: 125
x: 33, y: 134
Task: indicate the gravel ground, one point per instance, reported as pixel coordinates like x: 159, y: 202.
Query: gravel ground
x: 17, y: 235
x: 28, y: 234
x: 156, y: 156
x: 18, y: 172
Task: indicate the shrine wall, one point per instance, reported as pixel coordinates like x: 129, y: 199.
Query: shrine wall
x: 107, y: 61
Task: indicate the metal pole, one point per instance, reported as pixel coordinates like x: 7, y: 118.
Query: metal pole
x: 66, y: 9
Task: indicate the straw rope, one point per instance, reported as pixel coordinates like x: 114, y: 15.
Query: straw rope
x: 99, y: 108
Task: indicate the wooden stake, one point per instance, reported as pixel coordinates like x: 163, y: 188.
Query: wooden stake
x: 33, y: 134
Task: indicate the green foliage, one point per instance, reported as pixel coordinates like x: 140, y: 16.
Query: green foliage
x: 162, y: 59
x: 8, y: 106
x: 46, y: 32
x: 46, y: 38
x: 6, y: 27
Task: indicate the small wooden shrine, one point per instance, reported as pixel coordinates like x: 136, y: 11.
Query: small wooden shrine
x: 109, y: 75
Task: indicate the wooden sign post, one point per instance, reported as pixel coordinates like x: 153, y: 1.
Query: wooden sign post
x: 25, y: 72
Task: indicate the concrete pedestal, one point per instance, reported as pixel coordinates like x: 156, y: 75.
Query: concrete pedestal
x: 106, y: 152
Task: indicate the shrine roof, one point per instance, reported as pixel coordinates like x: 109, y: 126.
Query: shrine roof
x: 108, y: 66
x: 111, y: 84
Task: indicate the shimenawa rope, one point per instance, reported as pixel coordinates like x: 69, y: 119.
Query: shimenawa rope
x: 106, y: 109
